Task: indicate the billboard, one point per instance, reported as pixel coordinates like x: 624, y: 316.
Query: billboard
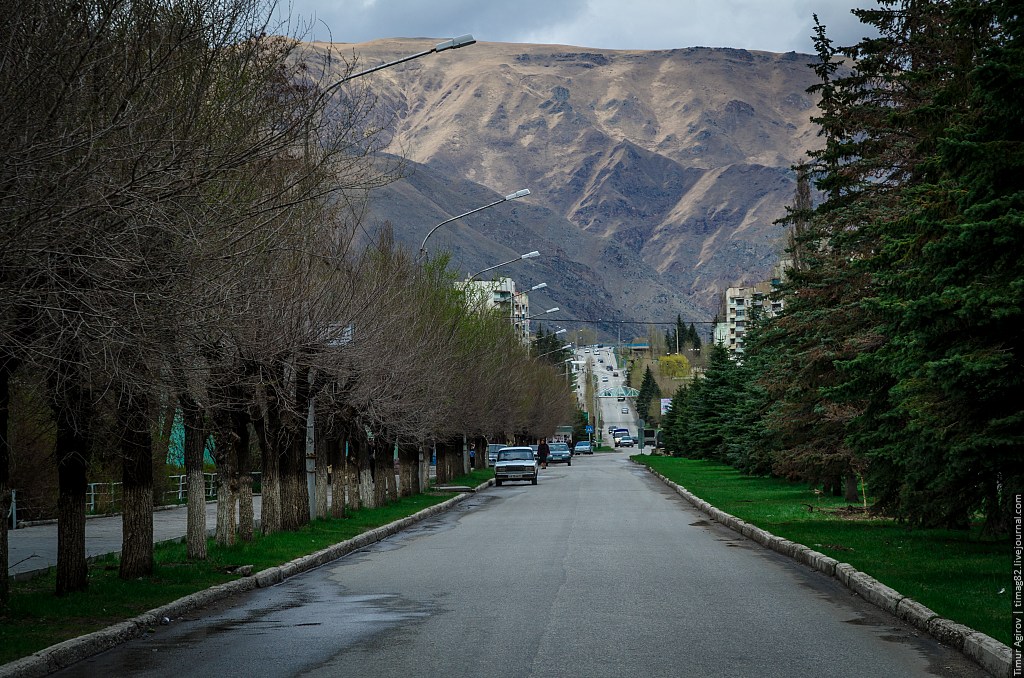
x: 665, y: 404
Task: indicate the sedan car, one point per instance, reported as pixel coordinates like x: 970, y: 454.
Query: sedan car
x: 559, y: 454
x: 626, y: 441
x: 515, y: 463
x: 625, y: 410
x: 492, y: 452
x: 583, y: 447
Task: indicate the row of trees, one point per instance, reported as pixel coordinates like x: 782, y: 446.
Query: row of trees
x: 898, y: 357
x: 178, y: 202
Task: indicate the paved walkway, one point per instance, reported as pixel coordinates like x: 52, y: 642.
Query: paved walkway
x: 34, y: 548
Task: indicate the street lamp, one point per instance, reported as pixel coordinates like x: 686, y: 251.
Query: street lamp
x: 511, y: 196
x: 536, y: 287
x: 556, y: 351
x: 454, y: 43
x: 528, y: 255
x: 550, y: 310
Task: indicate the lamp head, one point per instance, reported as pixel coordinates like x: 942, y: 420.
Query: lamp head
x: 455, y: 43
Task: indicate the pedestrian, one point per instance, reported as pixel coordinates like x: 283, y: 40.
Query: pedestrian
x: 542, y: 452
x: 472, y: 456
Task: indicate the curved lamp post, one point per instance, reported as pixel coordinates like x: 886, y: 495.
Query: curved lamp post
x: 454, y: 43
x: 556, y: 351
x: 550, y: 310
x: 528, y: 255
x: 511, y: 196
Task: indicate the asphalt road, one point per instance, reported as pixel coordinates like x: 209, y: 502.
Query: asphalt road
x: 599, y: 570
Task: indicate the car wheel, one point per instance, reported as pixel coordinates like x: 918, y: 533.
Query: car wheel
x: 498, y: 483
x: 533, y: 482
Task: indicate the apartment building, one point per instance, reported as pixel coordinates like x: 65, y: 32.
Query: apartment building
x: 502, y: 295
x: 739, y: 304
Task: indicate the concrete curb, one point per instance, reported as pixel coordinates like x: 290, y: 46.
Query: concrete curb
x: 987, y: 652
x: 63, y: 655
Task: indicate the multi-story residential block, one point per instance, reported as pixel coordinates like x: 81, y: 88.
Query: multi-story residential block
x: 502, y: 294
x: 739, y: 304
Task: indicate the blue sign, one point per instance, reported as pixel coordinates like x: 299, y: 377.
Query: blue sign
x: 590, y: 429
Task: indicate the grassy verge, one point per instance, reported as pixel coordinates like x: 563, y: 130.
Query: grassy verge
x: 36, y: 619
x: 959, y: 575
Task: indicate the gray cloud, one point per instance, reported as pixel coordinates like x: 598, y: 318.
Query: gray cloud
x: 771, y: 25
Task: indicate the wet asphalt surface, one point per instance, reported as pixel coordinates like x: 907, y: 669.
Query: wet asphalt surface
x: 599, y: 570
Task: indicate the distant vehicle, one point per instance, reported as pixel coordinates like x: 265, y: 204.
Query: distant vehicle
x: 621, y: 399
x: 604, y: 378
x: 618, y: 433
x: 611, y: 429
x: 615, y: 374
x: 559, y: 454
x: 516, y: 463
x: 587, y: 350
x: 583, y: 447
x: 625, y: 410
x: 492, y: 452
x: 600, y: 360
x: 626, y: 441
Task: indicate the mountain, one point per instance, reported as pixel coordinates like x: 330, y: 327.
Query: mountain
x: 655, y: 175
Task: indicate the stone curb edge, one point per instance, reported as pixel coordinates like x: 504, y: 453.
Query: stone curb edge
x: 987, y: 652
x: 68, y: 652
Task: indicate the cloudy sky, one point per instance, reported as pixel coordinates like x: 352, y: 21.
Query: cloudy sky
x: 771, y: 25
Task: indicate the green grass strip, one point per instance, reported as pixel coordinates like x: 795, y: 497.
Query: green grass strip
x: 36, y: 619
x: 961, y: 575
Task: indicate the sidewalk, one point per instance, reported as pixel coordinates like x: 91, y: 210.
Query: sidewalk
x: 33, y: 549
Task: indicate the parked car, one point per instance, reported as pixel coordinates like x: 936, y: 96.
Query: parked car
x: 492, y: 452
x: 583, y: 447
x: 626, y: 441
x: 559, y: 454
x: 516, y: 463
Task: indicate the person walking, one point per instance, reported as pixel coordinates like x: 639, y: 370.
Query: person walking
x: 542, y: 452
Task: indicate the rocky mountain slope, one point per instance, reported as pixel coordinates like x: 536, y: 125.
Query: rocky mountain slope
x: 655, y: 176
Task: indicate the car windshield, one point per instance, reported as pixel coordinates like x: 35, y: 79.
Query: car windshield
x: 558, y: 447
x: 515, y: 455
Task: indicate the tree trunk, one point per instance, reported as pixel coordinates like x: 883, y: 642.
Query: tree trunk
x: 338, y: 478
x: 227, y: 484
x: 443, y: 475
x: 287, y: 481
x: 246, y: 513
x: 270, y: 513
x: 72, y: 451
x: 195, y: 444
x: 323, y: 444
x: 137, y: 482
x: 851, y: 495
x: 353, y: 487
x: 383, y: 474
x: 367, y: 495
x: 7, y: 367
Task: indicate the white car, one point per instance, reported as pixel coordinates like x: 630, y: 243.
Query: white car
x: 516, y: 463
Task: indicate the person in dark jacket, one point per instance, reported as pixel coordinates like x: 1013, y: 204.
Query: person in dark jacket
x: 542, y: 452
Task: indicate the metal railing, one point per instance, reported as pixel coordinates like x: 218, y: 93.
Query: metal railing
x: 103, y: 498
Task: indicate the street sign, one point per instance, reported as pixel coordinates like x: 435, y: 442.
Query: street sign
x: 590, y: 429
